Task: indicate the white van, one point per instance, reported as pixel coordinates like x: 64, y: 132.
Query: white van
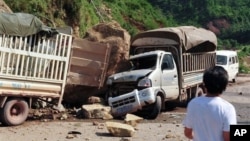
x: 228, y: 59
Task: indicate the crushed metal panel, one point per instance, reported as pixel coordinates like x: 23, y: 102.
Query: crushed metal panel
x: 88, y: 63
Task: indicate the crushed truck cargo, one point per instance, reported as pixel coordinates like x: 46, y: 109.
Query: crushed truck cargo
x: 37, y: 62
x: 166, y: 68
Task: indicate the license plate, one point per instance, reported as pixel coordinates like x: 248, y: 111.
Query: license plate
x: 124, y: 109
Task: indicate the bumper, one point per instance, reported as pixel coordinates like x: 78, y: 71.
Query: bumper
x: 131, y: 102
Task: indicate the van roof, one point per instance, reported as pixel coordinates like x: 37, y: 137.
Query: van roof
x: 226, y: 52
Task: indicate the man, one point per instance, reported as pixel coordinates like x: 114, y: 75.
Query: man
x: 209, y: 117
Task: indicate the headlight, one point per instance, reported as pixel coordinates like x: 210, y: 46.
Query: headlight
x: 109, y: 81
x: 145, y: 82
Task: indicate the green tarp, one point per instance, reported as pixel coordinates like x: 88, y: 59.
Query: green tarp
x: 23, y: 24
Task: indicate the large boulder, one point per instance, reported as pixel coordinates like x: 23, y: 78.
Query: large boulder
x: 118, y: 39
x: 4, y: 7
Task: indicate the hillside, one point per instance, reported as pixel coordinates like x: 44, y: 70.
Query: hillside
x: 228, y: 19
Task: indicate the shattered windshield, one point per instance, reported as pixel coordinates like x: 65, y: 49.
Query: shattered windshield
x: 221, y: 60
x: 145, y: 62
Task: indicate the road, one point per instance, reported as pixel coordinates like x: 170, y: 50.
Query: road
x: 166, y: 127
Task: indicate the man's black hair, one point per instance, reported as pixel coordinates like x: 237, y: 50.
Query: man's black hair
x: 215, y: 80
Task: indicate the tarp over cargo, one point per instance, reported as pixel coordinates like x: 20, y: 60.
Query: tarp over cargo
x: 23, y: 24
x: 190, y: 38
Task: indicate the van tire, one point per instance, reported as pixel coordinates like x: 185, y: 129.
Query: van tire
x: 14, y: 112
x: 156, y: 109
x: 233, y: 80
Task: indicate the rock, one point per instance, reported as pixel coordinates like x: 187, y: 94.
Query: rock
x: 95, y: 99
x: 107, y: 116
x: 132, y: 120
x: 101, y: 126
x: 119, y: 40
x: 95, y: 123
x: 169, y: 136
x: 37, y: 114
x: 96, y: 111
x: 4, y: 7
x: 125, y: 139
x: 59, y: 107
x: 120, y: 129
x: 70, y: 136
x: 64, y: 116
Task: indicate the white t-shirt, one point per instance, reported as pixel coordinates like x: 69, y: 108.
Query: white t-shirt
x: 209, y: 117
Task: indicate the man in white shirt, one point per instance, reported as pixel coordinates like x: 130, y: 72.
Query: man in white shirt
x: 209, y: 117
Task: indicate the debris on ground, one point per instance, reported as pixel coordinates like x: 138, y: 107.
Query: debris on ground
x: 96, y: 111
x: 95, y: 99
x: 132, y: 120
x: 73, y: 134
x: 126, y: 129
x: 120, y: 129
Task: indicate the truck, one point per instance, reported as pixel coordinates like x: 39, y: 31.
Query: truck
x: 167, y: 66
x: 37, y: 62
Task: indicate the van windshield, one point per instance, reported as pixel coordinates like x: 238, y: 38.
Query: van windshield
x: 221, y: 60
x: 145, y: 62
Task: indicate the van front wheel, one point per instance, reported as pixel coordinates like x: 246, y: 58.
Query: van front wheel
x: 156, y: 108
x: 14, y: 112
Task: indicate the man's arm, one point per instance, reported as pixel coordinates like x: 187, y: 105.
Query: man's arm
x: 188, y: 132
x: 226, y: 136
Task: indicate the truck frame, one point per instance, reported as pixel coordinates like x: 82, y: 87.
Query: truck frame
x: 192, y: 50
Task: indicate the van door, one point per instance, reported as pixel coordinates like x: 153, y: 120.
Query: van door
x: 233, y: 67
x: 169, y: 79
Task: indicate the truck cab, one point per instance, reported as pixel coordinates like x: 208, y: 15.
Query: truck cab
x: 151, y: 72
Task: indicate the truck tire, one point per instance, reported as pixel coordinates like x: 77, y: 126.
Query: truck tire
x: 156, y: 109
x: 199, y: 92
x: 14, y: 112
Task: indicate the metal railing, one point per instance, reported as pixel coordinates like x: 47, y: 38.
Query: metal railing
x: 193, y: 62
x: 35, y: 57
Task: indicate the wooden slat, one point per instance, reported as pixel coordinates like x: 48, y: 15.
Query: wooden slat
x: 87, y: 70
x: 88, y: 63
x: 83, y: 79
x: 87, y: 54
x: 85, y: 62
x: 89, y: 46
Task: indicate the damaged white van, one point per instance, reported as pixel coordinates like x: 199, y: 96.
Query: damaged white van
x: 228, y: 59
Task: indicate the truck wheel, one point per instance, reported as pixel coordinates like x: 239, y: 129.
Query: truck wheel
x: 14, y: 112
x: 156, y: 109
x: 199, y: 92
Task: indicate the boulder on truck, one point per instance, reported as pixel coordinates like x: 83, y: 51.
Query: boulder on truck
x: 167, y: 66
x: 37, y: 62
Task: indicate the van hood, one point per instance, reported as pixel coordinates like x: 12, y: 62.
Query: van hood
x: 129, y: 75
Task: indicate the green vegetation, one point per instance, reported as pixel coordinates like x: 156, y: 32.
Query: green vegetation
x: 229, y: 19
